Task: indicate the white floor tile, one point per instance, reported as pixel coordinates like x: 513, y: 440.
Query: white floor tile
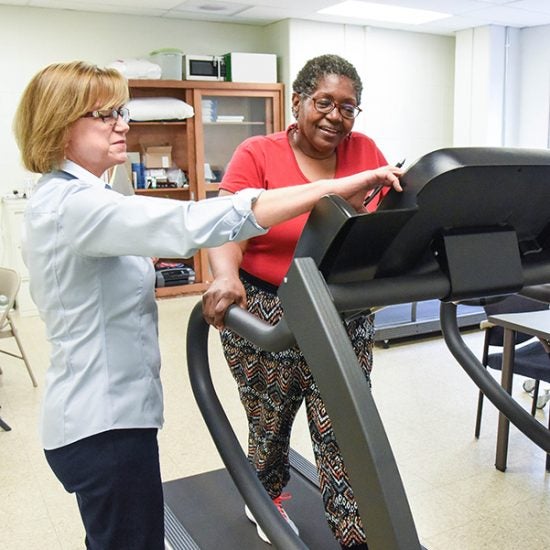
x: 427, y: 403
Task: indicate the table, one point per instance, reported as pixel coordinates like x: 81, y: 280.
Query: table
x: 535, y: 323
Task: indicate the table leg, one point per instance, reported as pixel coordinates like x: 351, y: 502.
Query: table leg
x: 506, y: 383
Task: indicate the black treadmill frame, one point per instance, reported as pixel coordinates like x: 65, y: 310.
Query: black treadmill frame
x: 417, y: 256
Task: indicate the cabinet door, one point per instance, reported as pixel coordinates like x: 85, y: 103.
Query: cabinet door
x: 225, y: 118
x: 226, y: 113
x: 179, y: 136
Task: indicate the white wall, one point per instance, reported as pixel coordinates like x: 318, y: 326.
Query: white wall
x: 309, y: 39
x: 415, y: 102
x: 481, y: 70
x: 31, y: 38
x: 502, y: 93
x: 534, y: 93
x: 409, y: 92
x: 275, y: 39
x: 407, y: 77
x: 512, y: 83
x: 408, y: 82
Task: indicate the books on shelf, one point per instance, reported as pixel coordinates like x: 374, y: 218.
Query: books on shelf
x: 209, y: 109
x: 230, y: 118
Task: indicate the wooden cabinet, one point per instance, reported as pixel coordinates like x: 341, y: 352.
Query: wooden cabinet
x: 226, y: 113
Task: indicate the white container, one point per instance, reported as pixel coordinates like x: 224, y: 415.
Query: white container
x: 170, y: 61
x: 250, y: 67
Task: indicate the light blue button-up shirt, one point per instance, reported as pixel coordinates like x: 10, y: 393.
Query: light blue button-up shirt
x: 88, y: 252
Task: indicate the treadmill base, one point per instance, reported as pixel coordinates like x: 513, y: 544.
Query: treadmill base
x: 206, y: 512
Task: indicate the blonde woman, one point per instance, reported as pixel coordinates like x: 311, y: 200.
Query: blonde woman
x: 88, y: 251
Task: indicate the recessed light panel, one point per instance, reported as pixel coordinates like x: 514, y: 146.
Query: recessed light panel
x: 383, y: 12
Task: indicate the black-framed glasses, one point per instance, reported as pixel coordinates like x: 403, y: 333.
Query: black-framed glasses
x: 110, y: 115
x: 325, y: 105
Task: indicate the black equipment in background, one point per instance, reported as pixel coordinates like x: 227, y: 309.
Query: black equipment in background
x: 174, y: 276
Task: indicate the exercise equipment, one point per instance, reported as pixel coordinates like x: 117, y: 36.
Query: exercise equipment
x: 471, y: 223
x: 402, y: 321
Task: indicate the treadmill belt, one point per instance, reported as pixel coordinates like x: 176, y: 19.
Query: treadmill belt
x: 206, y: 511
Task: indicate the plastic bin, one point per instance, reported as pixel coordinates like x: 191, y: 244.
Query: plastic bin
x: 170, y: 61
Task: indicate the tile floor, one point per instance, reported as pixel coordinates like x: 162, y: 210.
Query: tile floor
x: 458, y: 499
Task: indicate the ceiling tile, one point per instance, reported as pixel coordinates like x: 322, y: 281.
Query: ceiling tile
x: 466, y: 13
x: 512, y: 17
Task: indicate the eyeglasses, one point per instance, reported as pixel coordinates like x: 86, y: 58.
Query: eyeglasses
x: 326, y: 105
x: 111, y: 116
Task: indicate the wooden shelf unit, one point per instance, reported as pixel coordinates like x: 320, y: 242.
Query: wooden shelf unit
x: 195, y: 141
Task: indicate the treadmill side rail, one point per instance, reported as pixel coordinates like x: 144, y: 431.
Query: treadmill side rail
x: 367, y: 454
x: 236, y: 462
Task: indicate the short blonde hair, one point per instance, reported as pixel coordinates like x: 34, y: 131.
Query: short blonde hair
x: 54, y: 99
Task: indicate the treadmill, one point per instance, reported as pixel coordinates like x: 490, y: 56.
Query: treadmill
x: 472, y: 224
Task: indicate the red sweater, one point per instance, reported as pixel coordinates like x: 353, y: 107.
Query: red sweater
x: 268, y: 162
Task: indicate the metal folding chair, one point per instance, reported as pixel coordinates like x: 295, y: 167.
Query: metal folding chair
x: 9, y: 287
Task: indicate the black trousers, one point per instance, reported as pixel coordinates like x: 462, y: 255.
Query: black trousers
x: 116, y: 478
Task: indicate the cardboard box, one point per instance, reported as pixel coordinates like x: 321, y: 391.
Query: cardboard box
x: 158, y: 157
x: 250, y: 67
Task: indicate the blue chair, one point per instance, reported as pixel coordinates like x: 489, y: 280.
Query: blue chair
x: 531, y: 360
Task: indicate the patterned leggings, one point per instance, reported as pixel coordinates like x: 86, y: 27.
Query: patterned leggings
x: 272, y: 387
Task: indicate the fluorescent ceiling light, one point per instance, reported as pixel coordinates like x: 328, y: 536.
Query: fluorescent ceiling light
x: 383, y: 12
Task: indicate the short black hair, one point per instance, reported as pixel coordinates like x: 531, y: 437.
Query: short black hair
x: 317, y: 68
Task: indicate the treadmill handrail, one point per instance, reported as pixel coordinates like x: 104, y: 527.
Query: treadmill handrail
x: 540, y: 293
x: 366, y: 295
x: 353, y: 296
x: 381, y: 293
x: 273, y: 338
x: 227, y: 443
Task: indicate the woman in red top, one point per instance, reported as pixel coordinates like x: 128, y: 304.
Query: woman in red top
x: 272, y: 386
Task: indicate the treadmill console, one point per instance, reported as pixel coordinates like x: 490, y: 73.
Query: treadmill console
x: 472, y: 212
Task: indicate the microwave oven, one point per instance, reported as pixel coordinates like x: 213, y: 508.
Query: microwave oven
x: 203, y: 67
